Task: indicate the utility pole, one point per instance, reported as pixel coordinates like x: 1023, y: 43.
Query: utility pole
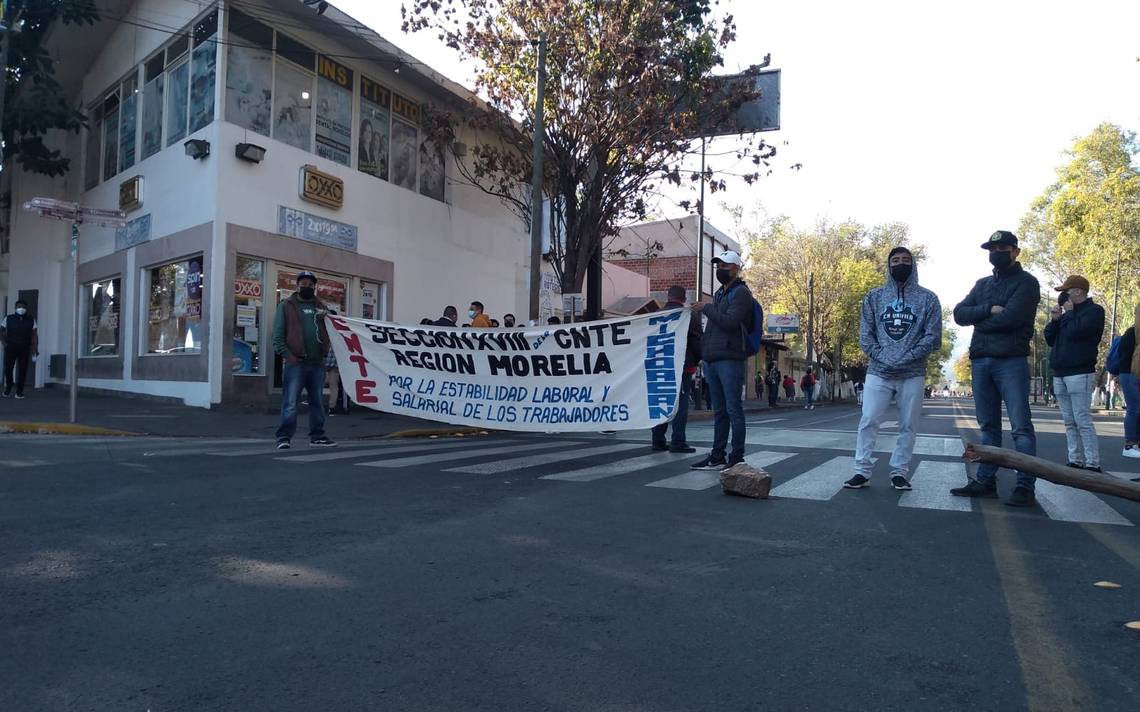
x: 536, y: 212
x: 1116, y: 293
x: 701, y: 230
x: 811, y: 319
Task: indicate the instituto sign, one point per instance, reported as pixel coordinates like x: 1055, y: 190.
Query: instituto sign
x: 321, y: 188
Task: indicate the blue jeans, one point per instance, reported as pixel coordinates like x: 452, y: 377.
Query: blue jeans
x: 311, y: 377
x: 808, y: 393
x: 997, y: 380
x: 1131, y: 388
x: 726, y: 381
x: 680, y: 417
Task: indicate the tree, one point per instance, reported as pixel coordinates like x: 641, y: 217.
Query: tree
x: 963, y: 374
x: 624, y: 81
x: 935, y: 365
x: 34, y: 101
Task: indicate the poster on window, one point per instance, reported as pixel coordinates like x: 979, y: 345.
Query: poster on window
x: 128, y: 135
x: 334, y: 110
x: 405, y: 145
x: 152, y: 116
x: 178, y: 97
x: 431, y: 170
x: 111, y: 143
x: 203, y: 61
x: 372, y: 153
x: 249, y: 88
x: 293, y: 104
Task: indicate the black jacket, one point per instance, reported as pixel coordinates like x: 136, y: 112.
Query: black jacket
x: 19, y: 331
x: 729, y: 315
x: 443, y: 321
x: 1127, y: 349
x: 1004, y: 335
x: 1075, y: 339
x: 693, y: 343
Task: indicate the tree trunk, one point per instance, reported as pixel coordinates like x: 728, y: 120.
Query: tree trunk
x: 1068, y: 476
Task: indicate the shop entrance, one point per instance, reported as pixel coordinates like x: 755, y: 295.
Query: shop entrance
x: 332, y: 289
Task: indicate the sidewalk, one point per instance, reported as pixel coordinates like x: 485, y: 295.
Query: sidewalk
x: 115, y: 415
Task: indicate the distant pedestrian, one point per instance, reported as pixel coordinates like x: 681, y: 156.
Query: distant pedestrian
x: 1129, y: 380
x: 1002, y: 309
x: 479, y: 320
x: 450, y: 316
x: 900, y: 326
x: 723, y: 349
x: 302, y: 341
x: 706, y: 394
x: 859, y: 393
x: 692, y: 358
x: 759, y: 383
x: 553, y: 320
x: 508, y: 321
x: 494, y: 323
x: 20, y: 336
x: 807, y: 387
x: 772, y: 380
x: 789, y: 387
x: 1074, y: 333
x: 697, y: 394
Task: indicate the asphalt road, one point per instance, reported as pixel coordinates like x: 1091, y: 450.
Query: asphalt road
x: 174, y: 574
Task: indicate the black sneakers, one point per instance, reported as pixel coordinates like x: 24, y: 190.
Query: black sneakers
x: 686, y: 448
x: 284, y: 444
x: 659, y: 447
x: 1093, y: 468
x: 1021, y: 497
x: 976, y: 489
x: 1075, y: 465
x: 857, y: 482
x: 709, y: 463
x: 322, y: 442
x: 900, y: 482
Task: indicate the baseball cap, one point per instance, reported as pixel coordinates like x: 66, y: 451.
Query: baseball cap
x: 306, y: 273
x: 1074, y: 281
x: 1001, y: 237
x: 728, y: 257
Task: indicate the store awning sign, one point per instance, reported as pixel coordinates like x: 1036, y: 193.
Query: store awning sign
x: 316, y: 228
x: 321, y: 188
x: 620, y: 374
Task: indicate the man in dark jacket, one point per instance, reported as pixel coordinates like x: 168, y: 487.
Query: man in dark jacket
x: 302, y: 341
x: 20, y: 338
x: 723, y: 351
x: 1001, y: 308
x: 692, y: 358
x: 450, y: 316
x: 1074, y: 333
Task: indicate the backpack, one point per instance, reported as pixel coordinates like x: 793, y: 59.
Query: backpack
x: 1112, y: 362
x: 754, y: 334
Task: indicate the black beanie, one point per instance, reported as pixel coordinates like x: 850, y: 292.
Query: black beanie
x: 899, y: 249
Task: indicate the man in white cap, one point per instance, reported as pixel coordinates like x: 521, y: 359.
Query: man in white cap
x: 725, y: 354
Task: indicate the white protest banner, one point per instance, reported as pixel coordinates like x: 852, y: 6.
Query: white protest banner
x: 620, y: 374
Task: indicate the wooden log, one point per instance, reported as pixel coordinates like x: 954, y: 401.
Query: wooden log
x: 1060, y: 474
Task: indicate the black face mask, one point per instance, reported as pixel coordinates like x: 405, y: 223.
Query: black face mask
x: 723, y: 276
x: 307, y: 292
x: 1000, y: 260
x: 901, y: 273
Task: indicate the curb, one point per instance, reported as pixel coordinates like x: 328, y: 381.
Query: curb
x: 11, y: 426
x: 434, y: 433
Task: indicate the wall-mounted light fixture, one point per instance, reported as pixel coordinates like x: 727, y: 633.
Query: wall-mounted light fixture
x: 197, y: 148
x: 250, y: 152
x: 321, y: 5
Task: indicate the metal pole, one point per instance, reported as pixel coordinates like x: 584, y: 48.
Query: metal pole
x: 536, y: 183
x: 811, y: 319
x: 701, y: 230
x: 73, y: 366
x: 1116, y: 293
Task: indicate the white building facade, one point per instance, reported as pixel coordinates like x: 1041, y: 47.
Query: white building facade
x: 246, y: 141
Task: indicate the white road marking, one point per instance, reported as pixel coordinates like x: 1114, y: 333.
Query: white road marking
x: 327, y: 455
x: 435, y: 458
x: 621, y: 467
x: 932, y: 482
x: 890, y: 425
x: 845, y: 440
x: 519, y: 463
x: 703, y: 479
x: 266, y: 448
x: 819, y: 483
x: 1068, y: 504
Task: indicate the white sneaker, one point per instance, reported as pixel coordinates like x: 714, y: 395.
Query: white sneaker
x: 1133, y: 452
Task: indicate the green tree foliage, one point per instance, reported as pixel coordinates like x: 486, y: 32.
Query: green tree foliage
x: 34, y: 100
x: 963, y: 374
x: 624, y: 81
x: 935, y: 366
x: 847, y: 260
x: 1088, y: 221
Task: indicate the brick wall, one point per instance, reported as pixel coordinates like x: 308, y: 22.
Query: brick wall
x: 664, y: 272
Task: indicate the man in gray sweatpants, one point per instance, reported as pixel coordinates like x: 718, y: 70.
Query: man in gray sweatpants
x: 900, y: 326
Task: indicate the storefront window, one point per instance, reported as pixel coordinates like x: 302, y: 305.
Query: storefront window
x: 152, y: 107
x: 248, y: 280
x: 174, y: 308
x: 369, y: 300
x: 111, y: 136
x: 431, y: 171
x: 293, y: 106
x: 405, y: 146
x: 102, y: 308
x: 92, y: 166
x: 334, y: 110
x: 203, y: 63
x: 249, y: 76
x: 128, y: 130
x: 375, y: 103
x: 177, y: 101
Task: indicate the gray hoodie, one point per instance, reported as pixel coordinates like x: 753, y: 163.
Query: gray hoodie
x: 900, y: 326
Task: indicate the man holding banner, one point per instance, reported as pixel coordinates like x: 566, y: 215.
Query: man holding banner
x: 692, y: 358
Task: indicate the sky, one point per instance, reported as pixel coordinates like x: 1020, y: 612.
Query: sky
x: 950, y: 117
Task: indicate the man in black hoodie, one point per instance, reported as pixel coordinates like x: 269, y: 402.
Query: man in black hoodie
x: 1074, y: 333
x: 1001, y: 308
x: 692, y: 358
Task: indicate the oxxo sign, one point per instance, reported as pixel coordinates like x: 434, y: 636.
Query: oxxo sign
x: 247, y: 288
x: 321, y: 188
x: 130, y: 194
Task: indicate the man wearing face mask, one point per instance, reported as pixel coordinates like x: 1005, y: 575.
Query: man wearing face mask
x: 900, y: 326
x: 508, y: 321
x: 1001, y: 308
x: 723, y: 350
x: 479, y: 320
x: 302, y: 341
x: 21, y: 342
x: 1074, y: 333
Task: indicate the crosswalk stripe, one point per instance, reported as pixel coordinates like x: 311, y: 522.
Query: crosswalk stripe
x: 471, y: 453
x: 1123, y: 475
x: 932, y: 482
x: 621, y: 467
x: 347, y: 455
x: 181, y: 444
x: 267, y: 448
x: 519, y: 463
x: 1068, y: 504
x: 704, y: 479
x: 845, y: 440
x: 890, y: 425
x: 820, y: 483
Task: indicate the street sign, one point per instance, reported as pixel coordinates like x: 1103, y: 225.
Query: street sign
x: 783, y: 324
x: 760, y: 114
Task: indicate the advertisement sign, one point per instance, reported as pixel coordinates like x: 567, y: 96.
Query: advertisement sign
x: 334, y: 110
x: 321, y: 188
x: 783, y: 324
x: 620, y: 374
x: 315, y: 228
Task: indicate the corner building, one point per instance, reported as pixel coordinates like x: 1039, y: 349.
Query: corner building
x: 246, y: 141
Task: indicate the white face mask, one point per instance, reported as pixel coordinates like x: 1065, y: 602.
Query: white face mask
x: 470, y: 313
x: 21, y: 311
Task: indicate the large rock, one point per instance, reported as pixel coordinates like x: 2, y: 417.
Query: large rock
x: 746, y: 481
